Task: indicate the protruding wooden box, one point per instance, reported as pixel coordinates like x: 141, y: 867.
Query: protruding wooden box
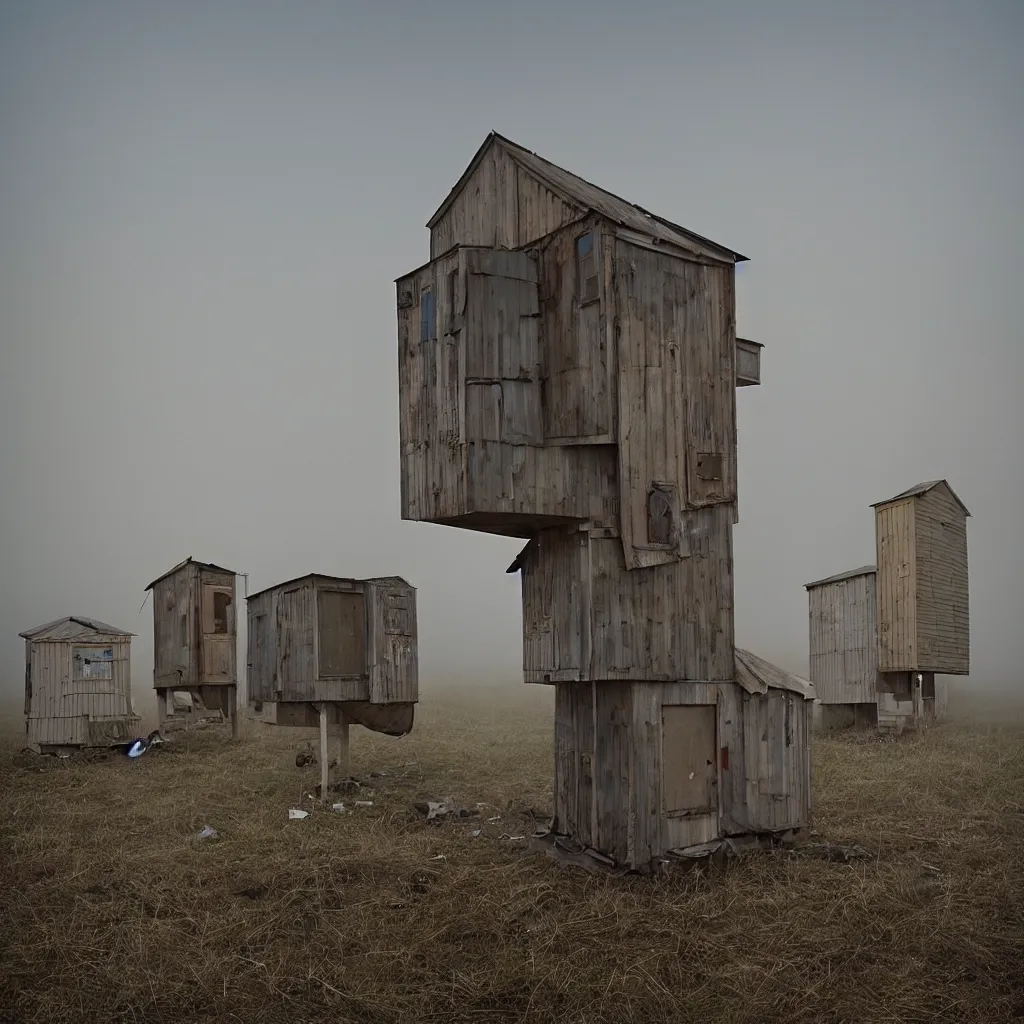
x: 325, y: 640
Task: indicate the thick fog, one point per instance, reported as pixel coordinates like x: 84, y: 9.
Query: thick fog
x: 204, y: 207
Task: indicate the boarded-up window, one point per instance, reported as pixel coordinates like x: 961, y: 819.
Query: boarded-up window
x: 342, y: 633
x: 93, y: 662
x: 428, y: 322
x: 586, y: 268
x: 397, y: 614
x: 452, y: 294
x: 689, y: 771
x: 659, y: 516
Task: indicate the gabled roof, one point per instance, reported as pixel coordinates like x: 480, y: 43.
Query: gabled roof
x: 313, y: 576
x: 864, y: 570
x: 918, y: 489
x: 73, y: 627
x: 578, y: 192
x: 191, y: 561
x: 756, y: 675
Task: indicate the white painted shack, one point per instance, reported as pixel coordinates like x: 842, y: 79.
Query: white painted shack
x: 78, y: 685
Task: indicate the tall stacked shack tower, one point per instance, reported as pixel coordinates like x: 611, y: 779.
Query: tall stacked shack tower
x: 568, y: 367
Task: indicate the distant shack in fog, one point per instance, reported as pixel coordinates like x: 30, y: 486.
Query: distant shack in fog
x: 879, y: 636
x: 78, y: 685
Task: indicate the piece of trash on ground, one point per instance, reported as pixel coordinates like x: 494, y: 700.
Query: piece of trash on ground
x: 294, y: 814
x: 446, y: 808
x: 363, y: 803
x: 207, y: 833
x: 440, y: 856
x: 339, y: 808
x: 511, y: 839
x: 476, y: 832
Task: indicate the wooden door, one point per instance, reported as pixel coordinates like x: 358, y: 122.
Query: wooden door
x: 218, y: 633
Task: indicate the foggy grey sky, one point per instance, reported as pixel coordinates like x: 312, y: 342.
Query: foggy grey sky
x: 204, y: 206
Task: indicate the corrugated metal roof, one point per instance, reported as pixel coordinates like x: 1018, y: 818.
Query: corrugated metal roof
x: 71, y: 627
x: 191, y: 561
x: 574, y: 189
x: 864, y: 570
x: 756, y: 675
x: 919, y: 489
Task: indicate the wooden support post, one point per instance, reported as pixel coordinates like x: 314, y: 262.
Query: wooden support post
x: 325, y: 753
x: 233, y: 710
x: 341, y: 745
x: 161, y: 708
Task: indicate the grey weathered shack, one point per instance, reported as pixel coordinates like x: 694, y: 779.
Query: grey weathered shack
x: 568, y: 365
x: 335, y: 651
x: 78, y: 685
x: 880, y: 636
x: 195, y: 636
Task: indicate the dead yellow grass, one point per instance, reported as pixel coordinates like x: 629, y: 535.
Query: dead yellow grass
x: 113, y: 912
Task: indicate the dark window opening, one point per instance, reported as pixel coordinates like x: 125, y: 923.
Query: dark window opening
x: 427, y: 321
x: 659, y: 516
x: 452, y: 284
x: 221, y: 611
x: 709, y: 467
x: 586, y: 268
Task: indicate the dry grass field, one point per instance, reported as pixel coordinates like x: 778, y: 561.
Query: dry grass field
x: 113, y: 911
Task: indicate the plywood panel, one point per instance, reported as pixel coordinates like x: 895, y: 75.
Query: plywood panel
x: 689, y: 759
x: 897, y: 625
x: 341, y: 617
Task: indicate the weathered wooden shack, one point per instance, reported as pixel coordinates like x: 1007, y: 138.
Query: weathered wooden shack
x: 880, y: 636
x: 923, y: 602
x: 195, y: 634
x: 78, y: 685
x: 568, y: 365
x: 334, y: 651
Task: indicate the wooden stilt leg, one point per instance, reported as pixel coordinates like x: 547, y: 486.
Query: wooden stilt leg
x: 233, y: 710
x: 161, y: 708
x: 325, y: 755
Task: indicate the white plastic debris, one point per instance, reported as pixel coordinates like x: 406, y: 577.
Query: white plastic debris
x: 363, y: 803
x: 207, y: 833
x: 294, y: 814
x: 476, y: 832
x: 440, y: 856
x: 339, y: 808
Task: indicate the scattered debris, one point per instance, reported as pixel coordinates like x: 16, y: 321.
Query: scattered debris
x: 475, y: 833
x: 339, y: 808
x: 511, y: 839
x: 303, y: 758
x: 294, y: 814
x: 440, y: 856
x: 491, y: 821
x: 841, y: 853
x: 434, y: 810
x: 378, y: 775
x: 207, y: 833
x: 363, y: 803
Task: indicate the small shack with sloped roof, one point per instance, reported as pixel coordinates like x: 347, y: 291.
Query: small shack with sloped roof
x: 195, y: 635
x: 78, y: 685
